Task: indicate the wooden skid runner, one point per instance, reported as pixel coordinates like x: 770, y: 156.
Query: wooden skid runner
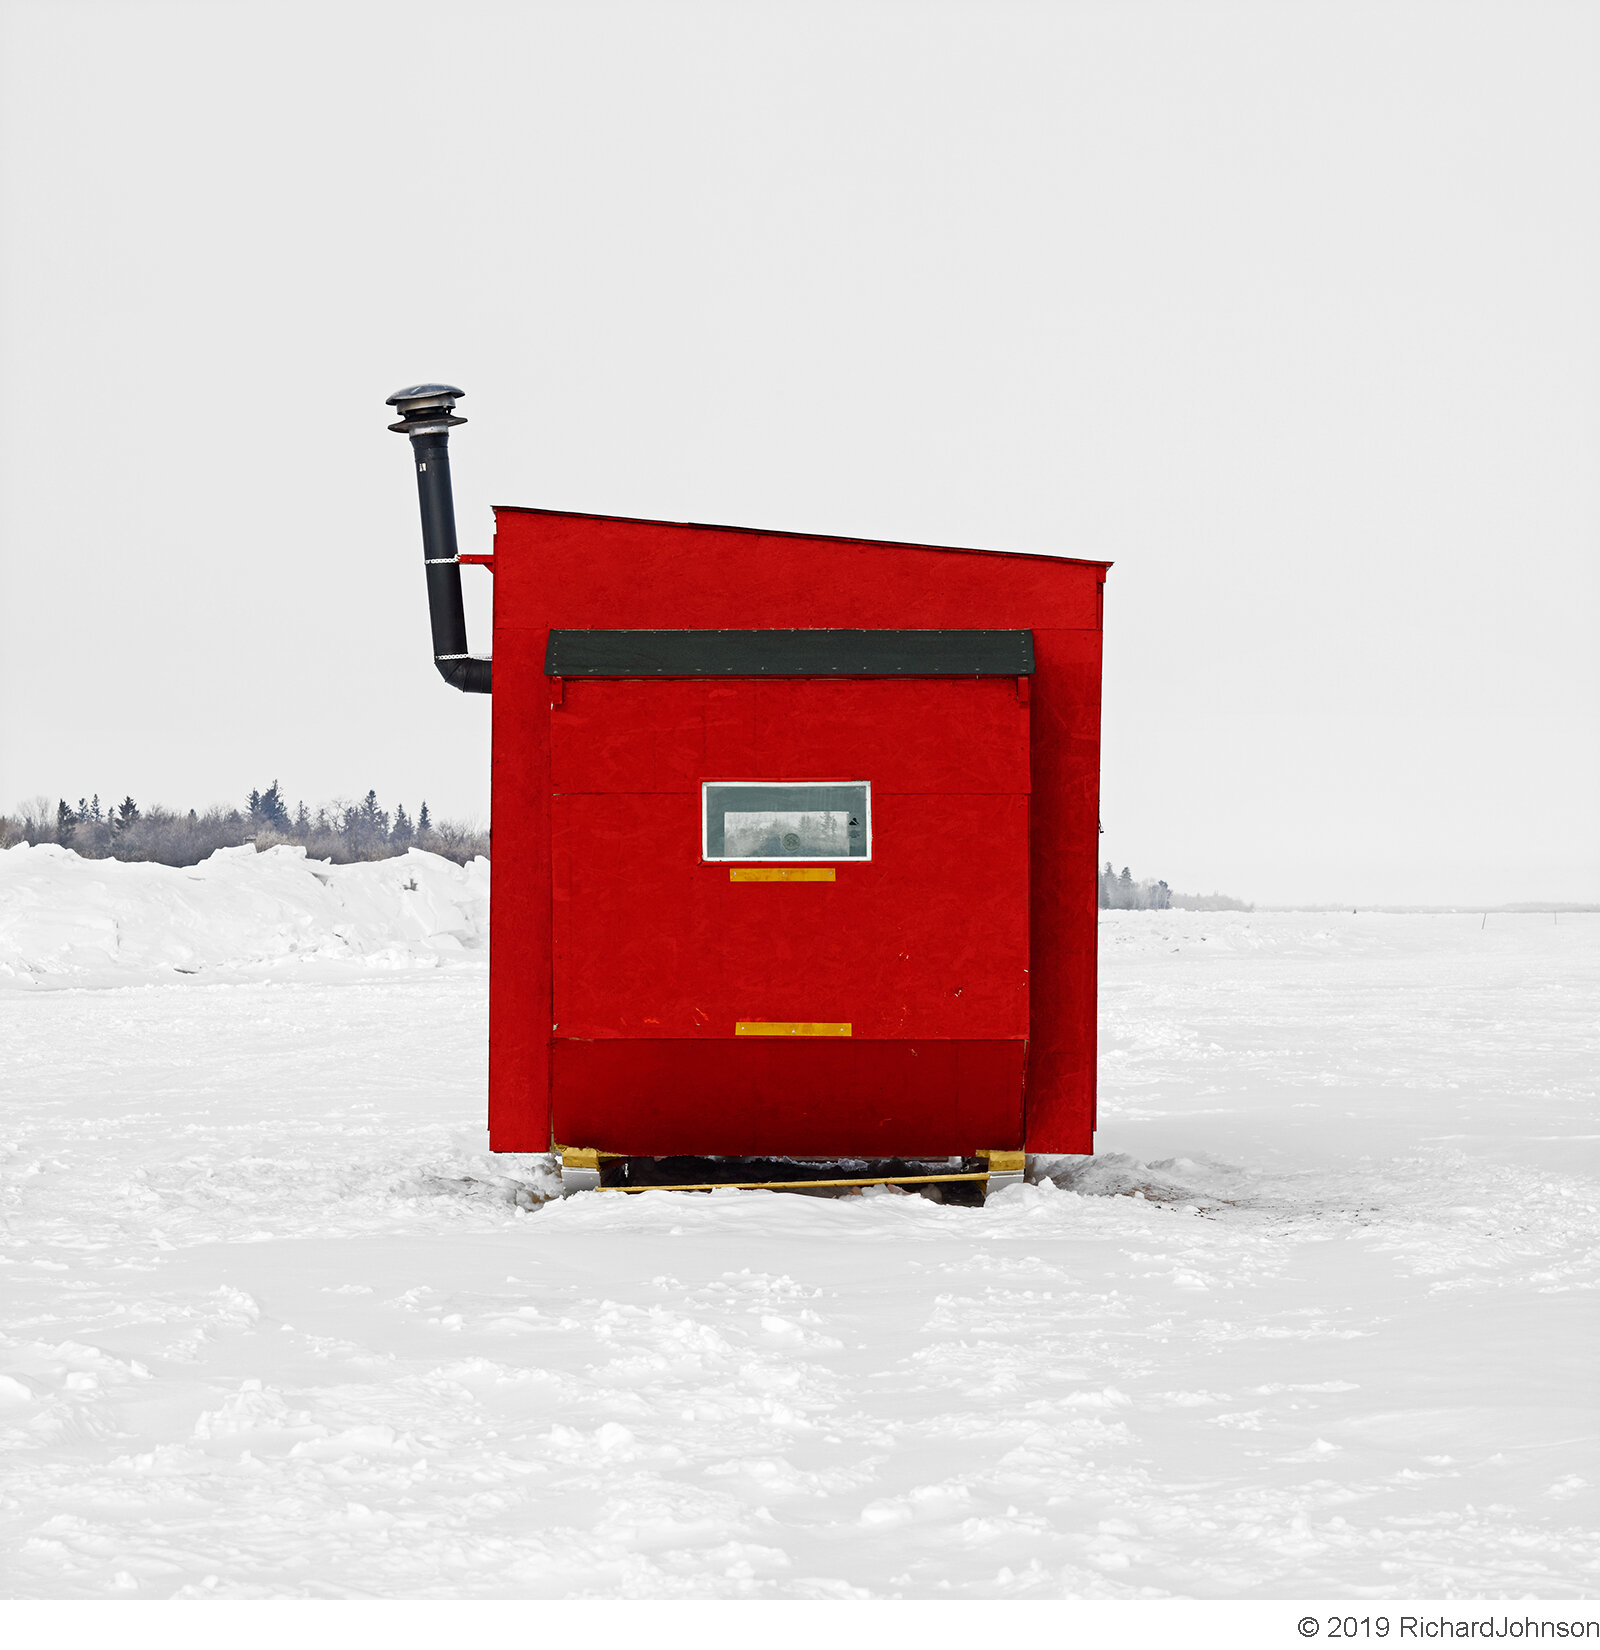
x: 785, y: 1185
x: 1001, y: 1165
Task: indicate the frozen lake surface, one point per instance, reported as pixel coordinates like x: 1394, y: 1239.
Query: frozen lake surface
x: 1320, y: 1320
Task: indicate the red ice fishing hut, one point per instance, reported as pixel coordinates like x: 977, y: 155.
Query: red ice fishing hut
x: 795, y: 845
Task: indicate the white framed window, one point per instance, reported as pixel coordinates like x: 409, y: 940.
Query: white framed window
x: 758, y: 819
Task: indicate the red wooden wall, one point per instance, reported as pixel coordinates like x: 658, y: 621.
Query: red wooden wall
x: 567, y: 571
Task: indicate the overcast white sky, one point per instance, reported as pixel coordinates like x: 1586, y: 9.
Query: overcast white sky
x: 1289, y: 310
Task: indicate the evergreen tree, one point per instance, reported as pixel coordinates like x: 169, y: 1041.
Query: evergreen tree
x: 267, y: 811
x: 374, y: 820
x: 66, y: 823
x: 424, y: 823
x: 94, y: 809
x: 127, y: 814
x: 402, y: 831
x: 302, y: 820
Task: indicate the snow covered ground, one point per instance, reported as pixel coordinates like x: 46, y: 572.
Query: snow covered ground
x: 1319, y: 1321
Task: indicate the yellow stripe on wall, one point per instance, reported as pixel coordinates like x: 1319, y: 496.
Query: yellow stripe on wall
x: 792, y: 1028
x: 798, y: 873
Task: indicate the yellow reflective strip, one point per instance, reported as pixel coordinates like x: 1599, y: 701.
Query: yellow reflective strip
x: 797, y: 873
x: 792, y: 1028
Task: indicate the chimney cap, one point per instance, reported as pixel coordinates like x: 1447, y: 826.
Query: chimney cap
x: 424, y: 392
x: 426, y: 409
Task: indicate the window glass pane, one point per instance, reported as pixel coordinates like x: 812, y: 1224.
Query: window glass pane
x: 792, y: 821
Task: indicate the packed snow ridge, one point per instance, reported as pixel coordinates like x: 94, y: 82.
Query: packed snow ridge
x: 65, y: 920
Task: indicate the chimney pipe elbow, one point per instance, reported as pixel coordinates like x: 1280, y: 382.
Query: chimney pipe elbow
x: 427, y: 413
x: 469, y: 674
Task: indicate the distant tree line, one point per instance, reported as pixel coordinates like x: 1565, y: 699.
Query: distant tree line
x: 1122, y: 893
x: 342, y: 831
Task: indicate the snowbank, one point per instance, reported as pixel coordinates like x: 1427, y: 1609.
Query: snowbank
x: 68, y: 920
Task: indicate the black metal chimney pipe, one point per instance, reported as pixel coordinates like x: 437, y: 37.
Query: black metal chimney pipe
x: 427, y: 412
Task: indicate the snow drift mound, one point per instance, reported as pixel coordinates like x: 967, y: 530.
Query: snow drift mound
x: 73, y: 921
x: 1202, y: 1183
